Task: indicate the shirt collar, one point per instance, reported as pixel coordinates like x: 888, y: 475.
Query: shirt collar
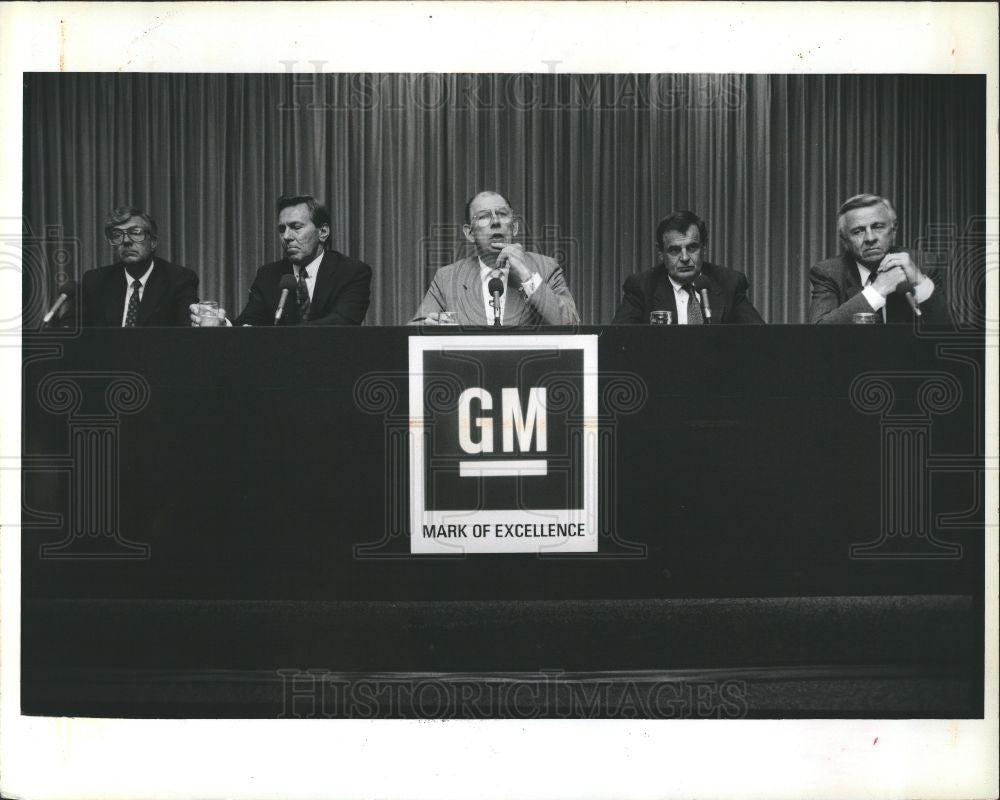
x: 311, y: 268
x: 485, y: 271
x: 144, y: 278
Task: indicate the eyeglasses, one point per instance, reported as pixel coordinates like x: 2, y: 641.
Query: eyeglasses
x: 117, y: 235
x: 675, y: 250
x: 484, y: 218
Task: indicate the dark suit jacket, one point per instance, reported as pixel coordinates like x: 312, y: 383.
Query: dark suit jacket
x: 165, y: 297
x: 651, y: 291
x: 836, y: 297
x: 457, y: 287
x: 340, y: 297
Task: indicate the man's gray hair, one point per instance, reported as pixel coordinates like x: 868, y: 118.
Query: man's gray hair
x: 862, y: 201
x: 124, y: 214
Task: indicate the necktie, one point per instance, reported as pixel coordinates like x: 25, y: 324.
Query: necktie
x: 133, y: 305
x: 694, y: 307
x: 302, y: 295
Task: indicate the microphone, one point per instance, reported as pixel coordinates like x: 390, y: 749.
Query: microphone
x: 66, y: 293
x: 495, y: 287
x: 286, y: 284
x: 701, y: 284
x: 905, y: 288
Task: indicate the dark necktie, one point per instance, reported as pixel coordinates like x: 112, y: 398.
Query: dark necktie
x: 694, y: 307
x: 880, y: 314
x: 133, y: 305
x: 302, y: 295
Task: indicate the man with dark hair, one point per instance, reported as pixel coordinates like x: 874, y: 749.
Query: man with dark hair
x: 872, y: 276
x: 534, y: 289
x: 138, y: 290
x: 329, y: 287
x: 676, y: 283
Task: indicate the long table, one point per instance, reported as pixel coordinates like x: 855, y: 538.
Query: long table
x: 215, y: 524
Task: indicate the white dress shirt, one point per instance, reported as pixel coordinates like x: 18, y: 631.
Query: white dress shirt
x: 529, y: 287
x: 923, y: 289
x: 129, y: 280
x: 681, y: 298
x: 311, y: 269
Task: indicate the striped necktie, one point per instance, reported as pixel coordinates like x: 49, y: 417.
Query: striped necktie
x: 694, y: 307
x: 302, y: 295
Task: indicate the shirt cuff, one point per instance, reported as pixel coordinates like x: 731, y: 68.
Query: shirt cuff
x: 923, y: 290
x: 875, y: 300
x: 530, y: 286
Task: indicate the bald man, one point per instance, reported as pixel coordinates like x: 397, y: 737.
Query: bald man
x: 534, y: 289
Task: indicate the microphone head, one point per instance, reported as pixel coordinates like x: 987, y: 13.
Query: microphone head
x: 287, y: 282
x: 700, y: 283
x: 68, y: 289
x: 495, y: 286
x: 904, y: 287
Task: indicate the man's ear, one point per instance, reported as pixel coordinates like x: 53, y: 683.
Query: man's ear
x: 516, y: 228
x: 324, y: 232
x: 467, y: 230
x: 153, y: 241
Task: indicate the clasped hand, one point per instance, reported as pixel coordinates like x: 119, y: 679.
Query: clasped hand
x: 895, y: 269
x: 512, y: 255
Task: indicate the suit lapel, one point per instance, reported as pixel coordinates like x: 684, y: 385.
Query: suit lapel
x: 470, y: 292
x: 663, y: 293
x: 852, y: 278
x: 114, y: 296
x: 326, y: 279
x: 716, y: 299
x: 152, y: 294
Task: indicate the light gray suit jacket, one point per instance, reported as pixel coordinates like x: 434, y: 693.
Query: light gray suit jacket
x: 457, y: 287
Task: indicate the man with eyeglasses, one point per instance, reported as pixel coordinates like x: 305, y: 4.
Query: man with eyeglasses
x: 534, y: 291
x: 138, y: 290
x: 324, y: 287
x: 872, y: 277
x: 677, y: 283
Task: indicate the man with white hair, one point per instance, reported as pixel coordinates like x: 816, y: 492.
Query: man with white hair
x: 872, y: 276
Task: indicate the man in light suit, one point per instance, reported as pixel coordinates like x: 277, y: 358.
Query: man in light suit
x: 138, y: 290
x: 330, y: 288
x: 534, y: 289
x: 872, y: 276
x: 671, y: 285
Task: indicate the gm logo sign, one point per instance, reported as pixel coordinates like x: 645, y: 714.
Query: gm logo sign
x: 503, y: 444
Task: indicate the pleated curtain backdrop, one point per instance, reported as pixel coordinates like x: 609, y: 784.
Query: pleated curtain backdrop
x: 590, y: 162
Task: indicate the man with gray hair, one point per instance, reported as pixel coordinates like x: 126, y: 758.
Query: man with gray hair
x: 138, y: 290
x: 313, y: 284
x: 872, y: 276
